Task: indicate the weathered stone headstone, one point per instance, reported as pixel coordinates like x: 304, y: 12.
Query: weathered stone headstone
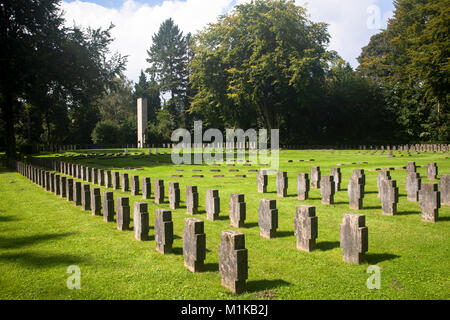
x: 69, y: 189
x: 86, y: 197
x: 355, y: 193
x: 233, y: 261
x: 62, y: 187
x: 432, y: 171
x: 141, y: 221
x: 191, y: 199
x: 174, y: 195
x: 302, y: 186
x: 315, y: 177
x: 159, y: 191
x: 88, y: 174
x: 413, y: 183
x: 237, y: 210
x: 282, y: 183
x: 411, y: 167
x: 382, y: 175
x: 305, y: 227
x: 389, y: 197
x: 108, y: 206
x: 134, y: 185
x: 116, y: 180
x: 261, y: 180
x: 444, y: 189
x: 212, y: 204
x: 108, y: 179
x: 430, y: 202
x: 267, y: 218
x: 123, y: 213
x: 163, y: 230
x: 52, y: 182
x: 327, y: 189
x: 354, y: 237
x: 57, y: 184
x: 194, y: 244
x: 77, y: 193
x: 360, y: 174
x: 146, y: 188
x: 82, y: 173
x: 337, y: 178
x: 94, y: 175
x: 101, y: 177
x: 96, y: 202
x: 125, y: 182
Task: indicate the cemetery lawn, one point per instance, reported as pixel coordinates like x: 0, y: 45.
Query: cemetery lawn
x: 41, y: 235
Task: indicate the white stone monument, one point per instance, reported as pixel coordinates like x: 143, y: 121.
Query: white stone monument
x: 141, y: 122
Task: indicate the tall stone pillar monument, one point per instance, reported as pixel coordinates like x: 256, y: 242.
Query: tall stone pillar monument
x: 141, y: 122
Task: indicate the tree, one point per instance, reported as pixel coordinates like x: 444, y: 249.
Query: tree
x: 150, y: 91
x: 410, y: 62
x: 168, y: 65
x: 59, y: 71
x: 106, y: 132
x: 117, y: 103
x: 167, y: 57
x: 264, y: 58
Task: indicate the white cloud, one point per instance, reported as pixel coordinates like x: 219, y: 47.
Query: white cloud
x: 136, y: 23
x: 351, y: 23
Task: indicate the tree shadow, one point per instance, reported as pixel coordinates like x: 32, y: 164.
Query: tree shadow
x: 370, y: 192
x: 19, y: 242
x: 372, y: 207
x: 327, y: 245
x: 374, y: 258
x: 443, y: 219
x: 261, y: 285
x: 340, y: 202
x: 42, y: 261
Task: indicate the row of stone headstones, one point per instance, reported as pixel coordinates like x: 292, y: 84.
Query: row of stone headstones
x: 388, y: 190
x: 233, y: 257
x: 354, y: 236
x: 416, y: 147
x: 107, y: 178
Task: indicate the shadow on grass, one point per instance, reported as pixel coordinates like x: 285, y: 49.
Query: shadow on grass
x: 177, y: 251
x: 370, y: 192
x: 443, y: 219
x: 284, y: 234
x: 42, y: 261
x: 327, y: 245
x: 8, y: 218
x: 404, y: 213
x: 19, y: 242
x: 251, y: 225
x: 211, y: 267
x: 261, y: 285
x: 374, y: 258
x: 372, y: 208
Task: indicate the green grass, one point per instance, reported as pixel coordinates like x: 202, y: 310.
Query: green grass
x: 41, y: 235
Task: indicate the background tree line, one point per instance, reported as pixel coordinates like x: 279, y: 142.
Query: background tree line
x: 263, y: 65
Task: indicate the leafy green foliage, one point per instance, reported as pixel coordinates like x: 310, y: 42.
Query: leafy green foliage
x: 410, y: 62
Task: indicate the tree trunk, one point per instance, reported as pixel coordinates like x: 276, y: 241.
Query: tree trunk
x: 8, y: 117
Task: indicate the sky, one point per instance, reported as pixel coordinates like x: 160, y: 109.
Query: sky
x: 351, y: 22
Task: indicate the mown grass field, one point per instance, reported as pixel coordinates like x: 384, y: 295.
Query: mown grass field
x: 41, y: 235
